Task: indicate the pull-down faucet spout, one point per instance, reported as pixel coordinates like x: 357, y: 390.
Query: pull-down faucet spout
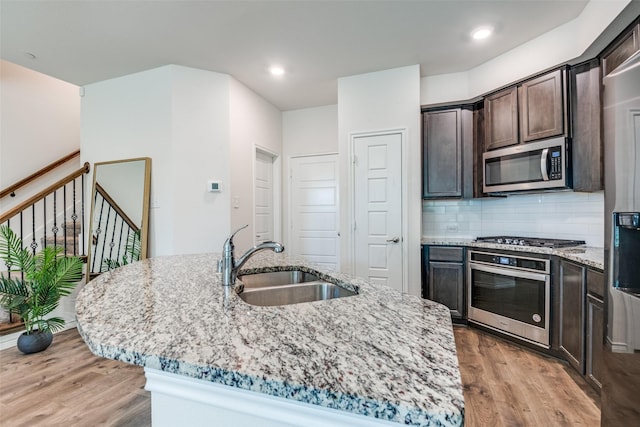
x: 228, y: 265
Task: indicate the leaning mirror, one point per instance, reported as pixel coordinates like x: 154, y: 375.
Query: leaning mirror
x: 119, y: 221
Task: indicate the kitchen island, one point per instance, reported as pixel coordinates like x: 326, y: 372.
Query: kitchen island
x: 375, y: 358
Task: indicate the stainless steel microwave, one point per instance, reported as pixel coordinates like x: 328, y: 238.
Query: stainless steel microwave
x: 541, y: 165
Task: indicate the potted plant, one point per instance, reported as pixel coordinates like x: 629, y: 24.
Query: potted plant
x: 34, y: 287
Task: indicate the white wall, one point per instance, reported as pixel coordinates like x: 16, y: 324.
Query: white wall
x: 39, y: 121
x: 200, y: 151
x: 562, y: 215
x: 180, y: 118
x: 39, y: 124
x: 381, y: 101
x: 310, y: 131
x: 552, y: 48
x: 254, y: 123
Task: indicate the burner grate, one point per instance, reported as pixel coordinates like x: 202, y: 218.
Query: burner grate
x: 530, y: 241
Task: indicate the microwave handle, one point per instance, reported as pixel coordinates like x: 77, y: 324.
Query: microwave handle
x: 543, y: 164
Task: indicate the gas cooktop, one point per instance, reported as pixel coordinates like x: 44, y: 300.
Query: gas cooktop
x: 530, y: 241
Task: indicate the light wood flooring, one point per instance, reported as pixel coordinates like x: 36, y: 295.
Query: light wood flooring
x: 506, y: 385
x: 66, y: 385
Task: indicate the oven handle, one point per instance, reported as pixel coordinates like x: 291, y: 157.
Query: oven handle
x: 509, y: 272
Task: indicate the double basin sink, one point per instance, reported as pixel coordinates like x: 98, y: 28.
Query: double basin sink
x: 287, y: 287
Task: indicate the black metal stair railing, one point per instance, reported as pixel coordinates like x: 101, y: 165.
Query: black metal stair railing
x: 54, y: 216
x: 115, y: 236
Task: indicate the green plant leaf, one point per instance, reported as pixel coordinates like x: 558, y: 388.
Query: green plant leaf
x: 47, y: 277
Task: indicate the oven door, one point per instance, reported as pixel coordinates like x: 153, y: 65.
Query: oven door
x: 509, y: 300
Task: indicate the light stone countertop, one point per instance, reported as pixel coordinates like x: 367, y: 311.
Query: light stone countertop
x: 379, y: 353
x: 590, y: 256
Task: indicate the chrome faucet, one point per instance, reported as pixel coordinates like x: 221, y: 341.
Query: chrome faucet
x: 228, y: 265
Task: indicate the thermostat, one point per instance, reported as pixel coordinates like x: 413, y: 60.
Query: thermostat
x: 214, y: 186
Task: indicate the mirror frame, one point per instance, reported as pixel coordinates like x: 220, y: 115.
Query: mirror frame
x: 144, y: 226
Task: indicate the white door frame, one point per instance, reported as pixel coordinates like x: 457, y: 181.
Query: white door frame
x: 277, y: 191
x: 290, y: 204
x: 405, y: 198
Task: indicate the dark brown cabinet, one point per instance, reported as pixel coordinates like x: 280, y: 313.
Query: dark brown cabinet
x: 586, y: 122
x: 595, y: 346
x: 595, y: 329
x: 447, y: 150
x: 541, y: 106
x: 443, y: 277
x: 535, y: 109
x: 621, y: 50
x: 582, y: 319
x: 501, y: 119
x: 572, y: 331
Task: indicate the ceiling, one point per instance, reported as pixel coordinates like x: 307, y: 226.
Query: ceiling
x: 83, y: 42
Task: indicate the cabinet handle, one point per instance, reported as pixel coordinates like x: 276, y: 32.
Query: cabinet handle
x: 394, y: 240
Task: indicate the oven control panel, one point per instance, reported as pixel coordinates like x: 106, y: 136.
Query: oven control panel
x: 512, y: 261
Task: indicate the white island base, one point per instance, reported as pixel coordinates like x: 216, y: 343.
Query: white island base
x: 179, y: 400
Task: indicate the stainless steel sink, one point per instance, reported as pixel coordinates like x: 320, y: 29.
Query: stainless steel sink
x: 287, y: 287
x: 276, y: 278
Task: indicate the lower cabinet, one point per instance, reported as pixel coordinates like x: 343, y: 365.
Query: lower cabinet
x: 572, y: 327
x: 582, y: 319
x: 443, y: 277
x: 595, y: 328
x: 595, y: 345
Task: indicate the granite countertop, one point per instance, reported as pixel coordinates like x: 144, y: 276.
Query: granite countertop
x: 379, y: 353
x: 590, y: 256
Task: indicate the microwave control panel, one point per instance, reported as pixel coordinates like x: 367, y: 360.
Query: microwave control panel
x: 556, y: 163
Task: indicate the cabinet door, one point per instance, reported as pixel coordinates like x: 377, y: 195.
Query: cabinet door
x: 572, y: 295
x: 446, y: 285
x: 541, y: 107
x: 501, y: 119
x: 442, y: 153
x: 586, y: 144
x: 626, y: 46
x: 595, y: 341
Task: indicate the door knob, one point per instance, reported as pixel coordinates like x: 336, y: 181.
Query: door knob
x: 394, y: 240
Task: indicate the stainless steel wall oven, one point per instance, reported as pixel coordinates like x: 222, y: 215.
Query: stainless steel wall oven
x: 510, y: 294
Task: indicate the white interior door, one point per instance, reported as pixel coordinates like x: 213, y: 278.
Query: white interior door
x: 378, y: 208
x: 264, y: 198
x: 314, y: 209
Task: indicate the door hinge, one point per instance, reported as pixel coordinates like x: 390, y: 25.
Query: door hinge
x: 354, y: 160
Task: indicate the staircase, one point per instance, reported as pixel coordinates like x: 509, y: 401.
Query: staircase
x: 53, y: 216
x: 67, y: 236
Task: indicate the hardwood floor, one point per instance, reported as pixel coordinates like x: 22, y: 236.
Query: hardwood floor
x: 66, y: 385
x: 504, y: 385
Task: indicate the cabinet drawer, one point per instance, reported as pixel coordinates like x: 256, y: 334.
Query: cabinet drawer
x: 446, y: 253
x: 595, y: 282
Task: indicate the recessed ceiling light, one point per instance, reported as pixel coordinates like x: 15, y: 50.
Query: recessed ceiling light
x: 481, y: 33
x: 276, y: 70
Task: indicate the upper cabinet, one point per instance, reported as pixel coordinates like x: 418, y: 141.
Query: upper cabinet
x: 501, y: 119
x: 541, y: 103
x: 447, y: 153
x: 621, y: 50
x: 533, y: 110
x: 586, y: 124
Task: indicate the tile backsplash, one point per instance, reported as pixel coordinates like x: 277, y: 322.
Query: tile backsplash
x: 562, y: 215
